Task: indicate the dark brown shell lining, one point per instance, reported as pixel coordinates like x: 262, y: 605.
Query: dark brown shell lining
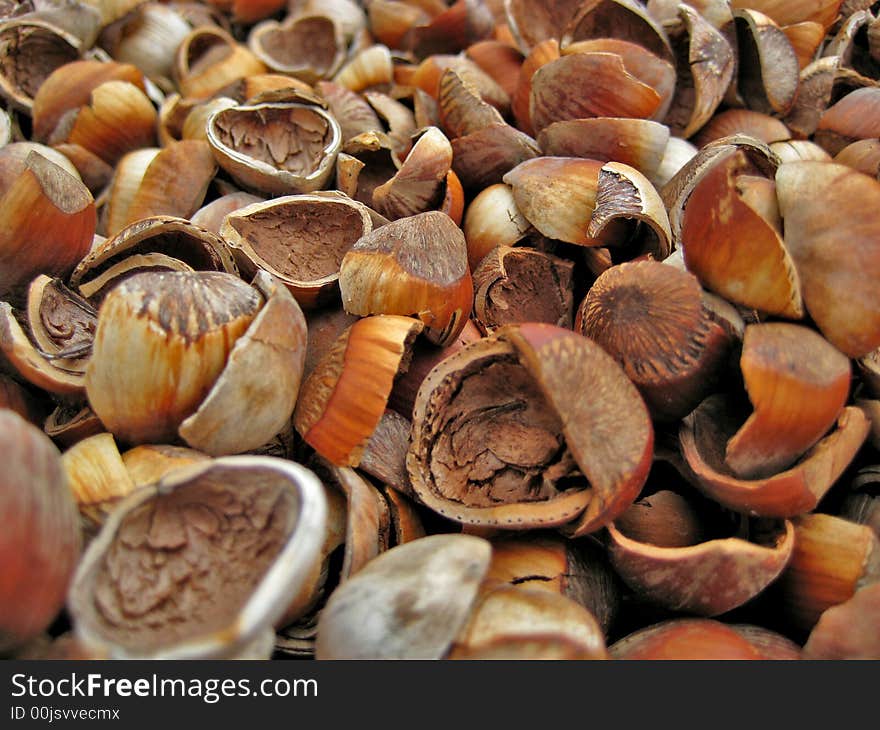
x: 292, y: 139
x: 66, y: 319
x: 495, y: 439
x: 716, y: 420
x: 29, y: 54
x: 180, y: 244
x: 204, y: 50
x: 535, y: 287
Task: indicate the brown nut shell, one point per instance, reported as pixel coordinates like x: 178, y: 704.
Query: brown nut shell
x: 756, y: 269
x: 519, y: 430
x: 125, y: 603
x: 300, y: 239
x: 794, y: 491
x: 47, y: 224
x: 40, y: 545
x: 345, y: 395
x: 798, y: 384
x: 557, y: 195
x: 833, y: 558
x: 653, y: 321
x: 162, y: 242
x: 835, y: 263
x: 208, y: 59
x: 273, y: 345
x: 685, y: 639
x: 306, y: 47
x: 32, y: 49
x: 523, y: 284
x: 70, y: 87
x: 582, y: 85
x: 412, y: 266
x: 849, y: 629
x: 636, y: 142
x: 97, y: 477
x: 709, y: 578
x: 162, y: 341
x: 508, y: 616
x: 543, y: 561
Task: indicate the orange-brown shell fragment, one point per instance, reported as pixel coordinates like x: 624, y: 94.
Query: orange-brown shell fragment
x: 174, y: 183
x: 593, y: 84
x: 534, y: 427
x: 792, y: 492
x: 343, y: 399
x: 507, y: 617
x: 833, y: 558
x: 70, y: 87
x: 48, y: 222
x: 832, y: 232
x: 731, y: 247
x: 171, y: 238
x: 709, y: 578
x: 852, y: 118
x: 798, y: 384
x: 412, y: 266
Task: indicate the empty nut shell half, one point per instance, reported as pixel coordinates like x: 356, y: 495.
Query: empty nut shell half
x: 709, y: 578
x: 300, y: 239
x: 791, y: 492
x: 523, y: 285
x: 238, y: 537
x: 155, y: 242
x: 276, y: 148
x: 533, y: 427
x: 31, y: 50
x: 309, y: 48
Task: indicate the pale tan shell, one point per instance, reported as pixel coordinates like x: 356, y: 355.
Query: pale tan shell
x: 270, y: 595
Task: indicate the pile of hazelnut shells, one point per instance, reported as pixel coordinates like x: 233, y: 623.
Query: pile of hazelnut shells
x: 485, y: 329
